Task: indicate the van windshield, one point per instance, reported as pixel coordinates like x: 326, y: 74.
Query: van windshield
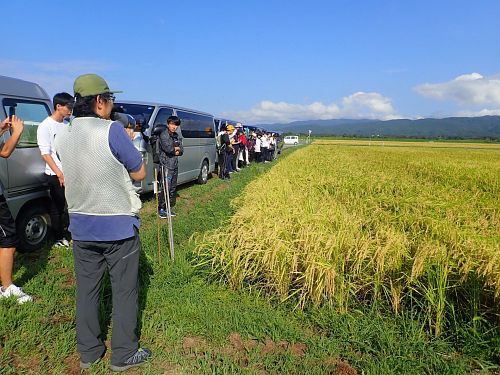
x: 31, y: 112
x: 138, y: 109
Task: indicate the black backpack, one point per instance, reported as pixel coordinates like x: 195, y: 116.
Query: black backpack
x: 154, y: 142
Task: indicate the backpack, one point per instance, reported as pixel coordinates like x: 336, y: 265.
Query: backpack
x: 154, y: 142
x: 218, y: 142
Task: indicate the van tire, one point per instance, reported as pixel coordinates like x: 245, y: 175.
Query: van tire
x: 33, y: 228
x: 203, y: 176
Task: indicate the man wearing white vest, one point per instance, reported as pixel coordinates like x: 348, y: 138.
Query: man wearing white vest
x: 99, y: 162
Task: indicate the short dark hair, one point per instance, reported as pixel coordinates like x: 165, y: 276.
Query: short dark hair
x: 174, y: 120
x: 62, y: 98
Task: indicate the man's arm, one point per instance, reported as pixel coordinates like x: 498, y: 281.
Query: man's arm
x: 138, y: 175
x: 17, y: 127
x: 166, y: 144
x: 52, y: 164
x: 124, y: 150
x: 180, y: 149
x: 4, y: 126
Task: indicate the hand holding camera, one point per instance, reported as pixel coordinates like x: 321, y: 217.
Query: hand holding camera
x: 12, y: 123
x: 4, y: 125
x: 16, y: 125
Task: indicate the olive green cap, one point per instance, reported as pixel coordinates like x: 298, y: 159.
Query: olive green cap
x: 91, y: 84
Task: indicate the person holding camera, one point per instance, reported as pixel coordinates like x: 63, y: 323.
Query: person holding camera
x: 100, y: 162
x: 8, y: 236
x: 45, y: 136
x: 170, y: 149
x: 225, y: 144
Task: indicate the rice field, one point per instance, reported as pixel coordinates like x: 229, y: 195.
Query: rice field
x: 339, y: 223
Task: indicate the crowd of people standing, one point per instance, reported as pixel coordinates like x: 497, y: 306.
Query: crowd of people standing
x: 238, y: 147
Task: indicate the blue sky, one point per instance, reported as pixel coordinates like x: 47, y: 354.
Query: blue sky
x: 268, y: 61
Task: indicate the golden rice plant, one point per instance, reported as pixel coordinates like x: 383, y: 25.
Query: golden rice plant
x: 335, y: 223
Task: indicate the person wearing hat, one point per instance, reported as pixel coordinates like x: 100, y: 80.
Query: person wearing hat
x: 99, y: 163
x: 45, y: 136
x: 230, y: 150
x: 170, y: 150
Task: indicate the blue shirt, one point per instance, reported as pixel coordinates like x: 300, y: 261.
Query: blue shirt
x: 110, y: 228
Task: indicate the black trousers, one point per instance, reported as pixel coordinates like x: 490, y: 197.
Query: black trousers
x: 264, y: 153
x: 121, y: 259
x: 222, y: 164
x: 234, y: 160
x: 258, y: 157
x: 171, y: 176
x: 57, y: 205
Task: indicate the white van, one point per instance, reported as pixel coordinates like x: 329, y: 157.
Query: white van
x: 198, y: 138
x: 291, y: 140
x: 22, y: 174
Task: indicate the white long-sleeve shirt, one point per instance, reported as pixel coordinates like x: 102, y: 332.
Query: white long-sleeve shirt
x: 265, y: 142
x: 257, y: 145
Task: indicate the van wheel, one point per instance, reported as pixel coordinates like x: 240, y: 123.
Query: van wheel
x: 203, y: 176
x: 33, y: 228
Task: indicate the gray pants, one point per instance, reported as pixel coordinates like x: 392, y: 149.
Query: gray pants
x: 121, y: 258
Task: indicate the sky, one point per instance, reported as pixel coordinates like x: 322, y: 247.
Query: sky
x: 267, y: 61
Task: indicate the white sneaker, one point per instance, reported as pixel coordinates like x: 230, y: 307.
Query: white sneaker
x: 17, y: 292
x: 63, y: 242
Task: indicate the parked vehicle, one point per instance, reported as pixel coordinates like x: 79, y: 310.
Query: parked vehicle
x: 223, y: 123
x: 197, y: 131
x: 22, y: 174
x: 291, y: 140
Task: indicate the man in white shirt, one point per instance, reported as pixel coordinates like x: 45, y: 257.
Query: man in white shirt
x: 257, y: 148
x: 264, y: 148
x: 46, y: 134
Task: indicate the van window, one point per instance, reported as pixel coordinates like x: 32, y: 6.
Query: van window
x: 32, y: 113
x: 163, y: 115
x: 194, y: 125
x: 217, y: 124
x: 137, y: 109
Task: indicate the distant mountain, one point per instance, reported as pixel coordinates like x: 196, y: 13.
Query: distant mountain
x: 451, y: 127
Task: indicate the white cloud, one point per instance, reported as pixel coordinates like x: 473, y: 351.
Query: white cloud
x: 482, y: 112
x: 52, y: 76
x: 367, y: 105
x: 467, y: 89
x: 358, y: 105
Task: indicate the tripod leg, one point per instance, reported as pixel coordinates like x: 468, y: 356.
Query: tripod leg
x: 166, y: 187
x: 157, y: 218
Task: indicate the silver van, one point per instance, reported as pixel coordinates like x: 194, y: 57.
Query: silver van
x: 22, y: 174
x: 198, y: 137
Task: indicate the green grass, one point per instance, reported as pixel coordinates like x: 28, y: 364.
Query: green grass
x: 198, y: 326
x: 319, y: 137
